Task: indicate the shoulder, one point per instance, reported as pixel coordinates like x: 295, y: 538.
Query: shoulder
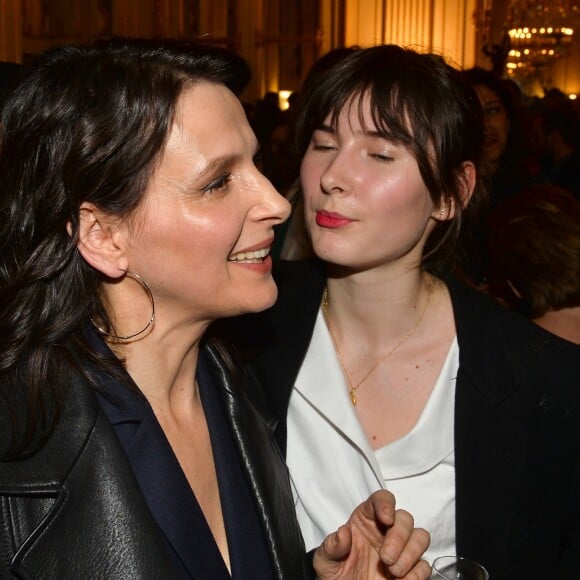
x: 53, y: 449
x: 298, y: 273
x: 499, y: 344
x: 478, y: 313
x: 237, y: 383
x: 300, y: 287
x: 79, y: 490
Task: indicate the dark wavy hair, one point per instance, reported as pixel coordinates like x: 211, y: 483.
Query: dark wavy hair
x: 417, y: 100
x: 87, y: 123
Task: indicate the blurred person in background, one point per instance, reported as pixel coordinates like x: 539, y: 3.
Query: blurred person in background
x: 561, y: 138
x: 534, y: 258
x: 508, y: 161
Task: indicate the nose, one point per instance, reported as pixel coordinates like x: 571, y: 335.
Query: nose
x: 273, y: 206
x: 487, y: 120
x: 334, y: 178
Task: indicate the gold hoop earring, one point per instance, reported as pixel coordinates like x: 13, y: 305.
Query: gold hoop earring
x: 151, y: 320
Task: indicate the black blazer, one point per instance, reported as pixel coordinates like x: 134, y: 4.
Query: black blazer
x: 517, y: 422
x: 75, y: 510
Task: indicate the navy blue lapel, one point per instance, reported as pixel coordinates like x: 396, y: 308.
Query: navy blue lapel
x: 181, y: 519
x: 189, y: 539
x: 191, y: 544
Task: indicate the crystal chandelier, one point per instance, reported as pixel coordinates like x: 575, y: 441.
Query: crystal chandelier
x: 540, y: 32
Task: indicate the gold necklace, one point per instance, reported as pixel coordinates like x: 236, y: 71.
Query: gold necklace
x: 400, y: 342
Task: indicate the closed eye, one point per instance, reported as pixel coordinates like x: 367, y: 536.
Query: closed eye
x: 323, y: 139
x: 320, y: 147
x: 382, y: 157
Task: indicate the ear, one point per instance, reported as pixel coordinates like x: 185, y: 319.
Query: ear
x: 100, y: 241
x: 466, y: 179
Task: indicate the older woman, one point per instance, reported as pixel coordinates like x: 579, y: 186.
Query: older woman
x: 132, y: 217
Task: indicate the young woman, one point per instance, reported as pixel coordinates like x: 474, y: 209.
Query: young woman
x: 390, y: 372
x: 132, y: 217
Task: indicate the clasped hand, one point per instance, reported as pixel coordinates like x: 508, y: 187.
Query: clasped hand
x: 378, y: 541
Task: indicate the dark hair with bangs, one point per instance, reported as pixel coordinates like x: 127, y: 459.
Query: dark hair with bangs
x: 417, y: 100
x: 87, y: 123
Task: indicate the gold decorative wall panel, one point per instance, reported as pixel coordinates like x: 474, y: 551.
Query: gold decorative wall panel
x: 443, y: 26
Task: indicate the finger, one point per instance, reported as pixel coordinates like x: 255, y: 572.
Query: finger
x: 381, y: 506
x: 336, y: 545
x: 368, y: 521
x: 396, y: 537
x: 421, y: 571
x: 412, y: 551
x: 374, y: 516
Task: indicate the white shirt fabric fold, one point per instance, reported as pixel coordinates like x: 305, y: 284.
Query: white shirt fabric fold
x: 334, y: 468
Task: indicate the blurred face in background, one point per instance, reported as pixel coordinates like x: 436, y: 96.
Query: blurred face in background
x: 496, y: 126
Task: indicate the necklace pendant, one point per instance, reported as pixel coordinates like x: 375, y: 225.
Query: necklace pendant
x: 352, y: 397
x: 352, y: 391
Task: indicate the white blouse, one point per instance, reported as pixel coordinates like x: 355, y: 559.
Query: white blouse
x: 334, y: 467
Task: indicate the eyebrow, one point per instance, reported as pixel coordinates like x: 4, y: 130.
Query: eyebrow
x: 223, y: 160
x: 375, y: 135
x: 330, y: 130
x: 325, y: 129
x: 219, y: 162
x: 216, y: 163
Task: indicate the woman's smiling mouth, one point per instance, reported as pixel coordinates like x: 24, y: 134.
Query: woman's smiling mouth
x: 253, y: 257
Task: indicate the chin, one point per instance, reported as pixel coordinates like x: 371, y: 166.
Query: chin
x: 262, y: 300
x: 268, y: 302
x: 333, y: 254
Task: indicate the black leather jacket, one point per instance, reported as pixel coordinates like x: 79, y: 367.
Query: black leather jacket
x: 74, y: 509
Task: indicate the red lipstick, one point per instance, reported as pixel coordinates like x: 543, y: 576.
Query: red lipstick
x: 328, y: 219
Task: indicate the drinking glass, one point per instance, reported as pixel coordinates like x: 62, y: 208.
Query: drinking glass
x: 457, y: 568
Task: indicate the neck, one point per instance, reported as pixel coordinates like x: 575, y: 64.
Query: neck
x: 396, y: 323
x: 379, y: 307
x: 163, y: 364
